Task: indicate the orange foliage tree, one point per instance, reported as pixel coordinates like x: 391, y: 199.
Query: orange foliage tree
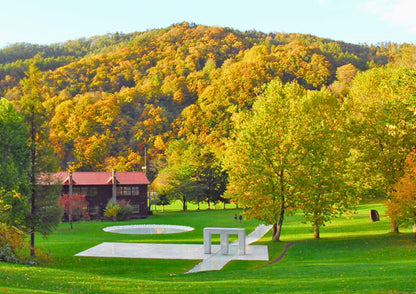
x: 401, y: 208
x: 74, y: 205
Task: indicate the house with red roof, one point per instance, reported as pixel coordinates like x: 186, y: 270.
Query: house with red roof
x: 100, y: 187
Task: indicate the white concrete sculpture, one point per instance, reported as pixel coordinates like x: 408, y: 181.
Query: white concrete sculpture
x: 224, y: 234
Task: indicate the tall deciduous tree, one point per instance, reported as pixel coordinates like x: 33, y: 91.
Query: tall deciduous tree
x: 292, y: 152
x: 325, y: 178
x: 14, y: 163
x: 262, y: 158
x: 45, y: 212
x: 382, y: 104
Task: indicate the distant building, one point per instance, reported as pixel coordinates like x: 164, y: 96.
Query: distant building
x: 100, y: 187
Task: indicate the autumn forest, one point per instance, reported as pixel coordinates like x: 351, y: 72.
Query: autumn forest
x: 109, y: 97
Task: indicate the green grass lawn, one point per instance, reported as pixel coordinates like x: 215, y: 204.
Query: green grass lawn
x: 177, y: 205
x: 353, y: 255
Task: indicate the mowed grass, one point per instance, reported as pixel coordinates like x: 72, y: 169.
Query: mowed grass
x: 178, y: 206
x: 353, y: 255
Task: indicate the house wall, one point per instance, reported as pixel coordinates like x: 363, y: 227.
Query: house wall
x: 136, y: 195
x: 98, y: 197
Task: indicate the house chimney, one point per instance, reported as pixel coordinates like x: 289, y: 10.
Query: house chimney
x: 114, y: 191
x: 70, y: 184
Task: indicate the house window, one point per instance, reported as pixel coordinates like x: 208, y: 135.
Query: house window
x: 136, y: 209
x: 127, y: 191
x: 80, y: 191
x: 135, y: 191
x: 123, y: 191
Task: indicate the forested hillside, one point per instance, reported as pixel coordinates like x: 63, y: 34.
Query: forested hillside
x: 110, y: 97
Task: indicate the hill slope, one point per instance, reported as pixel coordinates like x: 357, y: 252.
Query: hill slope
x: 109, y: 97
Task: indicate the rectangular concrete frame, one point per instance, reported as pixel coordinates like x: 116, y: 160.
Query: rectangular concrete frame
x: 224, y: 233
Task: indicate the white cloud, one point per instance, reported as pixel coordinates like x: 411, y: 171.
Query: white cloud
x: 397, y: 12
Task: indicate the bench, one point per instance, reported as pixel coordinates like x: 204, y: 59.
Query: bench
x: 224, y: 233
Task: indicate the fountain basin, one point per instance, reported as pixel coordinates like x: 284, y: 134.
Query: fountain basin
x: 148, y: 229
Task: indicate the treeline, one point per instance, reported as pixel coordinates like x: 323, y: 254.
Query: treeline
x: 15, y: 58
x: 174, y: 92
x: 75, y: 48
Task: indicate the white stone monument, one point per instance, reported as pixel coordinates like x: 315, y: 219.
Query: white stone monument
x: 224, y: 234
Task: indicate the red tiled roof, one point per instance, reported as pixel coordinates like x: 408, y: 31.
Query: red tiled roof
x: 100, y: 178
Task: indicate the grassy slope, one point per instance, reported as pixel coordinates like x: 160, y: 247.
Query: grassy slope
x: 354, y: 254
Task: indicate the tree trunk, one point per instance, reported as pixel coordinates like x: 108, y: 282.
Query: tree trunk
x: 33, y: 211
x: 32, y: 242
x: 275, y: 236
x: 184, y: 203
x: 394, y: 227
x: 70, y: 219
x: 33, y: 183
x: 277, y: 230
x: 316, y: 231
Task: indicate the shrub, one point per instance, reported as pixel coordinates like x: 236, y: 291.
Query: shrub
x: 112, y: 209
x: 74, y: 206
x: 126, y: 210
x: 11, y: 241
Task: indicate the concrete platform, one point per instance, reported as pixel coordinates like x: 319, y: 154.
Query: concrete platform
x: 214, y: 261
x: 170, y: 251
x: 146, y: 250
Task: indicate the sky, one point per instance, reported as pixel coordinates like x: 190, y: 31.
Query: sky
x: 353, y: 21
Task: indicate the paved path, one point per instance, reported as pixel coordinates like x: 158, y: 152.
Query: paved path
x: 217, y: 261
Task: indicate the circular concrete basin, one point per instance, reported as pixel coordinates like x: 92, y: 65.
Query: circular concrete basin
x: 148, y: 229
